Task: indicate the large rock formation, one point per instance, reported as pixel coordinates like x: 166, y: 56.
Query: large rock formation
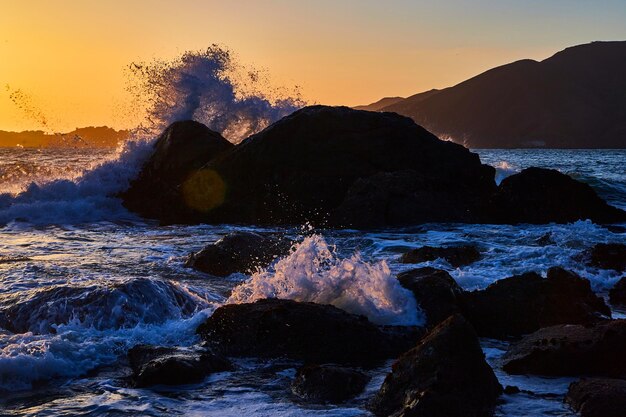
x: 315, y: 333
x: 444, y: 375
x: 334, y: 166
x: 598, y: 397
x: 328, y: 383
x: 570, y: 350
x: 525, y: 303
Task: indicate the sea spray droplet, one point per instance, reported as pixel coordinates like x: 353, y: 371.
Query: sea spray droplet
x: 313, y: 272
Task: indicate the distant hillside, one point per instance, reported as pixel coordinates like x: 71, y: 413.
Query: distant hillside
x: 574, y: 99
x: 383, y: 102
x: 85, y: 137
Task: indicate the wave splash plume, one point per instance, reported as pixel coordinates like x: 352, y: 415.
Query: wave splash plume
x: 314, y: 272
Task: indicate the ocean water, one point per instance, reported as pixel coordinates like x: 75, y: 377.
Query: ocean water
x: 80, y: 264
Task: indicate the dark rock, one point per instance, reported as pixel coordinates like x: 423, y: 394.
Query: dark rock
x: 538, y: 195
x: 525, y: 303
x: 179, y: 154
x: 511, y: 390
x: 545, y: 240
x: 154, y: 365
x: 435, y: 290
x: 617, y: 294
x: 102, y: 306
x: 444, y: 375
x: 608, y: 256
x: 455, y: 255
x: 239, y: 252
x: 328, y: 383
x: 315, y: 333
x: 571, y: 350
x: 598, y: 397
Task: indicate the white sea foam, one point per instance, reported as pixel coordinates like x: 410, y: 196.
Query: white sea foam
x: 504, y: 169
x: 313, y: 272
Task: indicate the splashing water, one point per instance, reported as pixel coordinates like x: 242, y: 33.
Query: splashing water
x: 313, y: 272
x: 210, y: 87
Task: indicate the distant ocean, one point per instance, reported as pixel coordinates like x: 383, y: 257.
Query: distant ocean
x: 62, y: 227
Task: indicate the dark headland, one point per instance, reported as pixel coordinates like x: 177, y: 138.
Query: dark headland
x: 574, y: 99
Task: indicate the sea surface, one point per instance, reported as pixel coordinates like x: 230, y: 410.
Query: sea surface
x: 62, y: 228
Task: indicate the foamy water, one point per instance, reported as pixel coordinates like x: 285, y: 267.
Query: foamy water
x: 72, y: 234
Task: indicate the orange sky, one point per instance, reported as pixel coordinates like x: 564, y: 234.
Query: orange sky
x: 68, y: 59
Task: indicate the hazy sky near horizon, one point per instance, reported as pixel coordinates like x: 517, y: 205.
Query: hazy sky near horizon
x: 68, y: 57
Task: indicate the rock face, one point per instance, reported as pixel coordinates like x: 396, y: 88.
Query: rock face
x: 538, y: 195
x: 617, y: 294
x: 598, y: 397
x: 311, y: 332
x: 239, y: 252
x: 436, y: 292
x: 339, y: 167
x: 525, y: 303
x: 571, y: 350
x: 455, y: 255
x: 328, y: 383
x: 608, y: 256
x: 179, y: 153
x: 172, y: 366
x: 444, y: 375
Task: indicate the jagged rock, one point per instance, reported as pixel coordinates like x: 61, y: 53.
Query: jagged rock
x: 153, y: 365
x: 539, y: 195
x: 525, y: 303
x: 617, y: 294
x: 328, y: 383
x: 607, y: 256
x: 455, y: 255
x: 179, y: 154
x: 444, y: 375
x: 436, y: 292
x: 239, y: 252
x: 571, y: 350
x: 598, y: 397
x: 315, y: 333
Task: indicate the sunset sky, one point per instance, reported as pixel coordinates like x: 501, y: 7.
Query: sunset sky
x: 68, y: 59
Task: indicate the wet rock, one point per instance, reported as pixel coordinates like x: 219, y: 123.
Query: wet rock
x: 180, y: 152
x: 538, y: 195
x: 103, y: 306
x: 598, y: 397
x: 455, y: 255
x: 569, y: 350
x: 607, y: 256
x: 328, y: 383
x: 315, y: 333
x: 239, y: 252
x: 436, y: 292
x: 525, y: 303
x: 444, y: 375
x: 153, y: 365
x: 617, y: 294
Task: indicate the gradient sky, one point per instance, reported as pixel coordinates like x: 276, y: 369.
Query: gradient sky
x: 68, y: 57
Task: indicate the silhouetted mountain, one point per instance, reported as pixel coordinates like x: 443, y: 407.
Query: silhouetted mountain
x: 383, y: 102
x: 84, y: 137
x: 574, y: 99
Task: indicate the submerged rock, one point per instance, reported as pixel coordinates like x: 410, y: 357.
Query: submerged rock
x: 598, y: 397
x: 569, y: 350
x: 539, y: 195
x: 316, y: 333
x: 109, y: 305
x: 608, y: 256
x: 525, y: 303
x: 436, y: 292
x: 154, y: 365
x: 444, y: 375
x: 455, y: 255
x: 328, y: 383
x: 179, y: 153
x: 617, y: 294
x: 239, y: 252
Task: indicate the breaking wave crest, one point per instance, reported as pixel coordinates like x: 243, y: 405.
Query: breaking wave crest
x: 314, y: 272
